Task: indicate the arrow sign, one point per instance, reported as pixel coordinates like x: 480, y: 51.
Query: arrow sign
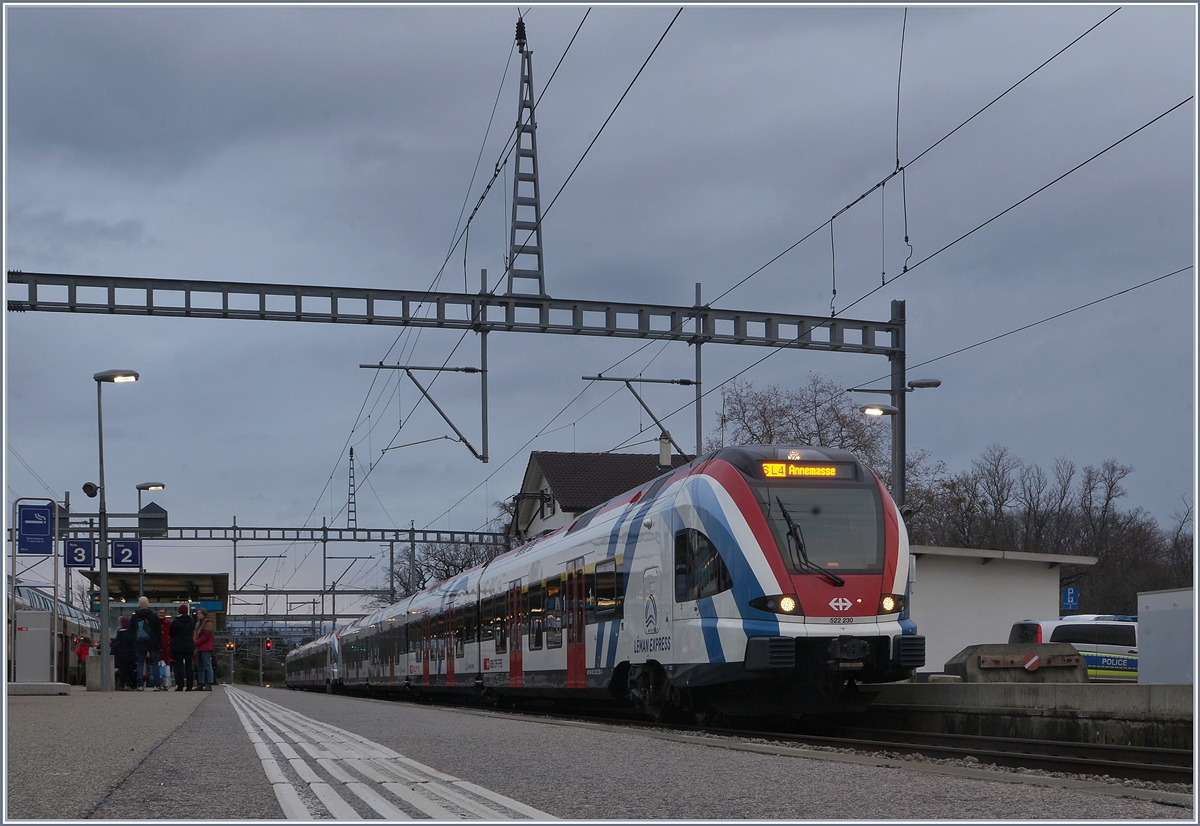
x: 35, y: 530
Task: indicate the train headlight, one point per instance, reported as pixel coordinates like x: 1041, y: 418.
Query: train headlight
x: 891, y: 603
x: 781, y: 604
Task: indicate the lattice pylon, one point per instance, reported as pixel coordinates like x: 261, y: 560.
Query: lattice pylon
x: 351, y: 516
x: 525, y: 237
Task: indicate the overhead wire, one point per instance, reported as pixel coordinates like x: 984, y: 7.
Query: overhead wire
x: 1038, y: 191
x: 900, y: 169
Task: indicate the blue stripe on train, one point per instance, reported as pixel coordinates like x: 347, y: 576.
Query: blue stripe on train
x: 745, y: 584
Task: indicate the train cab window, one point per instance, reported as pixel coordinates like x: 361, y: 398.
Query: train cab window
x: 609, y: 591
x: 554, y: 608
x: 699, y: 570
x: 536, y: 613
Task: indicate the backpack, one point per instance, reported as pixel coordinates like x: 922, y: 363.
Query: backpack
x: 143, y: 630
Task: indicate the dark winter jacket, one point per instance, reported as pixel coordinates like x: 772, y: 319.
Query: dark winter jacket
x: 181, y: 635
x: 152, y: 628
x: 125, y: 650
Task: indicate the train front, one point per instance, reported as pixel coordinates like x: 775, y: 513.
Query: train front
x: 822, y: 593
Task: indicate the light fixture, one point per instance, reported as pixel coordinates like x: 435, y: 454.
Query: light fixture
x: 878, y: 409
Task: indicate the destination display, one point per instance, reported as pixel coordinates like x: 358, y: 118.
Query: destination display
x: 807, y: 470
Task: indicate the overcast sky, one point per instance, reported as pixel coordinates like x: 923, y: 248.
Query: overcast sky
x: 337, y: 146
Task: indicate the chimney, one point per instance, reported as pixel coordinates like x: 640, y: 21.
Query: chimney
x: 664, y: 450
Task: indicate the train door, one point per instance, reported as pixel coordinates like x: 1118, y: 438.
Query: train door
x: 451, y: 647
x: 575, y: 625
x: 516, y: 677
x: 426, y: 642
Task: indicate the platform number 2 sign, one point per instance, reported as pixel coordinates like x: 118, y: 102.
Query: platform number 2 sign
x: 127, y: 553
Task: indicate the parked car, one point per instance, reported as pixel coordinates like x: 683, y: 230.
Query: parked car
x: 1108, y: 642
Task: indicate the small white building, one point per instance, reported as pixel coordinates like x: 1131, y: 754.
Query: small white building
x: 967, y: 596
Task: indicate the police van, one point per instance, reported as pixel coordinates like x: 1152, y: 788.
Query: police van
x: 1108, y: 642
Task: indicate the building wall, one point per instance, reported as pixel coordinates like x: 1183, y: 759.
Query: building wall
x: 1166, y: 620
x: 957, y: 601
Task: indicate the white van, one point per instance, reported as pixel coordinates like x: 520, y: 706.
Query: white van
x: 1108, y: 642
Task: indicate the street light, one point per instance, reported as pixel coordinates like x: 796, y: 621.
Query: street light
x: 142, y: 556
x: 896, y: 411
x: 115, y: 376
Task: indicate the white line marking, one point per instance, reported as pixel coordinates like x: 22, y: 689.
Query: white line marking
x: 339, y: 752
x: 515, y: 805
x: 420, y: 801
x: 385, y: 809
x: 340, y: 809
x: 293, y: 807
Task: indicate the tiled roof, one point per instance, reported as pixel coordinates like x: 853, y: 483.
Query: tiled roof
x: 580, y: 481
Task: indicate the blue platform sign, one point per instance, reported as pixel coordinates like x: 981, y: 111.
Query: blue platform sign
x: 126, y: 553
x: 35, y: 529
x: 79, y: 553
x: 1070, y: 598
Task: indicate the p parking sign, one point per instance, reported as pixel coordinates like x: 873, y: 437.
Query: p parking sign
x: 1070, y: 598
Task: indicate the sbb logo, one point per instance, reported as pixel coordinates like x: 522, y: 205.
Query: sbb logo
x: 840, y: 604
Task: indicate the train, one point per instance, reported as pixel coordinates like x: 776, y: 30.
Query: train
x: 75, y: 625
x: 758, y: 580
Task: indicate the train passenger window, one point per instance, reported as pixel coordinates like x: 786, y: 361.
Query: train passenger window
x: 589, y: 598
x: 699, y: 569
x: 485, y: 619
x: 609, y: 590
x: 470, y: 623
x: 554, y: 608
x: 536, y: 612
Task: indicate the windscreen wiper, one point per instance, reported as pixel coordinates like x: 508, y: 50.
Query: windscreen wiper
x: 795, y: 534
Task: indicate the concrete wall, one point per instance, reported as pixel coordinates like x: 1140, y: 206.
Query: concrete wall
x: 957, y: 600
x: 1165, y: 624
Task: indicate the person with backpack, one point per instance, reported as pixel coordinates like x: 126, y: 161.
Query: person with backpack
x: 182, y: 648
x: 206, y: 631
x: 147, y: 636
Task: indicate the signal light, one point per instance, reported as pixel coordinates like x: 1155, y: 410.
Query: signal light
x: 229, y: 646
x: 267, y: 645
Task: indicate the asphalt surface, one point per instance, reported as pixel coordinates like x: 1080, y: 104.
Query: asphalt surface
x: 185, y: 756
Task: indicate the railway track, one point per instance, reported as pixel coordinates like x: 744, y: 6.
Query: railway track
x: 1097, y: 759
x: 1086, y: 759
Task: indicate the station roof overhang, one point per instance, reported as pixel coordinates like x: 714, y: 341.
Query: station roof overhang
x: 985, y: 555
x: 168, y: 590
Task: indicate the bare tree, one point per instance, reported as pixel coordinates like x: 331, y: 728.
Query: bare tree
x: 817, y: 413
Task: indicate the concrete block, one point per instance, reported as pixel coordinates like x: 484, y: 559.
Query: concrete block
x: 26, y: 689
x: 1018, y: 663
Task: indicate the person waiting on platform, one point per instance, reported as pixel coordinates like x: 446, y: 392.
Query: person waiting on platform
x: 81, y: 654
x: 164, y: 652
x: 126, y: 656
x: 206, y: 632
x: 147, y: 635
x: 182, y: 648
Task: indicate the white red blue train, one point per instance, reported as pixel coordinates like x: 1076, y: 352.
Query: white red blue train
x: 754, y: 580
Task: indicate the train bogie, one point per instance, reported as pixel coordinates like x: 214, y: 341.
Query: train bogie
x: 753, y: 580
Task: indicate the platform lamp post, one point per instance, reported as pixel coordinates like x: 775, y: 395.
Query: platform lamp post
x: 899, y: 436
x: 115, y: 376
x: 142, y: 557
